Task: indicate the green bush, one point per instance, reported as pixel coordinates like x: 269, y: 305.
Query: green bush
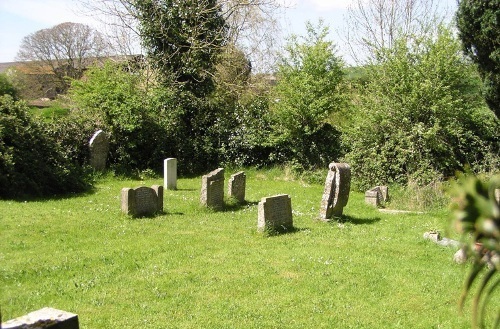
x: 31, y: 162
x: 6, y: 87
x: 420, y: 118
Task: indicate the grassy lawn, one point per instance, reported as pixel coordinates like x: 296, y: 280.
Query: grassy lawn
x: 195, y: 268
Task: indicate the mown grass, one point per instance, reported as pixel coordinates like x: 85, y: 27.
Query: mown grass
x: 196, y: 268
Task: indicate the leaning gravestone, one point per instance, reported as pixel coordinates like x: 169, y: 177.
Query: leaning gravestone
x: 170, y: 173
x: 377, y: 195
x: 212, y: 189
x: 142, y: 200
x: 275, y: 213
x: 336, y: 192
x: 236, y: 186
x: 46, y: 317
x: 99, y: 147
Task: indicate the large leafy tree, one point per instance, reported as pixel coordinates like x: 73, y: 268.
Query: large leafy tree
x: 183, y: 39
x: 478, y: 22
x: 309, y: 89
x: 63, y: 51
x: 420, y: 118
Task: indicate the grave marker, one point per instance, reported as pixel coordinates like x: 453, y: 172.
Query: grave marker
x: 46, y: 317
x: 336, y: 192
x: 377, y: 195
x: 236, y: 186
x: 142, y: 200
x: 99, y: 147
x: 275, y: 213
x: 170, y: 173
x: 212, y: 189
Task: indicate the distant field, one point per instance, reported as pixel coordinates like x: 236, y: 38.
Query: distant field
x: 196, y: 268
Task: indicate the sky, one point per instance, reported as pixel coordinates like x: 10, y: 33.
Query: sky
x: 19, y: 18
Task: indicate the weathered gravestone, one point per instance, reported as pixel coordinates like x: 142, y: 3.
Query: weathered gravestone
x: 212, y: 189
x: 142, y: 200
x: 46, y: 317
x: 99, y: 147
x: 236, y: 186
x: 336, y: 192
x: 275, y: 213
x: 377, y: 195
x: 170, y: 173
x: 497, y: 196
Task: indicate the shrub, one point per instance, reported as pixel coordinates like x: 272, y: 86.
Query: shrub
x: 31, y: 162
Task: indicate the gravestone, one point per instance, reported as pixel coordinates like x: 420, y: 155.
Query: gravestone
x: 212, y: 189
x: 46, y: 317
x: 275, y: 213
x: 99, y: 147
x: 336, y: 192
x: 236, y: 186
x: 497, y: 196
x: 142, y: 200
x: 170, y: 173
x: 377, y: 195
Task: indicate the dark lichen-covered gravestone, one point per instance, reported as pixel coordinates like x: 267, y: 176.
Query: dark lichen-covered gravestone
x: 336, y: 192
x: 99, y: 147
x: 142, y: 201
x: 212, y: 189
x: 236, y: 186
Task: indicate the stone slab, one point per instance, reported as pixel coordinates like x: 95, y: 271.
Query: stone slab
x: 236, y: 186
x: 99, y: 147
x: 142, y: 200
x: 336, y: 191
x: 170, y: 173
x: 212, y: 189
x: 46, y: 317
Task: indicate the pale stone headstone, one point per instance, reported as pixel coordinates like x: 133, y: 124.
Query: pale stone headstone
x: 236, y: 186
x: 275, y: 213
x: 212, y: 189
x: 99, y: 147
x: 46, y: 317
x: 377, y: 195
x: 497, y: 196
x: 142, y: 200
x: 170, y: 173
x: 336, y: 192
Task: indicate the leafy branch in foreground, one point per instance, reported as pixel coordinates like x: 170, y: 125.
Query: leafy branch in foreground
x: 477, y: 217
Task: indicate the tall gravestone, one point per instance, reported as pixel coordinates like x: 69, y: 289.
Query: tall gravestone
x: 46, y: 317
x: 236, y: 186
x: 497, y: 196
x: 275, y: 213
x: 142, y: 200
x: 170, y: 173
x: 99, y: 147
x: 212, y: 189
x: 336, y: 192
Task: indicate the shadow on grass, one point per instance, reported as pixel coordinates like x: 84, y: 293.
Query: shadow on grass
x: 356, y: 220
x: 282, y: 231
x: 54, y: 197
x: 232, y: 205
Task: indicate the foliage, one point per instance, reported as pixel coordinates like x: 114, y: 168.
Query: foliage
x: 31, y: 162
x: 419, y: 118
x: 309, y: 89
x: 183, y: 39
x: 478, y: 23
x: 477, y: 218
x: 62, y: 51
x: 6, y: 86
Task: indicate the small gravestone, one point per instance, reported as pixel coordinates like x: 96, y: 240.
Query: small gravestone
x: 170, y: 173
x: 142, y: 200
x: 497, y: 196
x: 212, y: 189
x: 377, y: 195
x: 99, y: 147
x: 336, y: 192
x: 275, y: 213
x: 46, y: 317
x: 236, y: 186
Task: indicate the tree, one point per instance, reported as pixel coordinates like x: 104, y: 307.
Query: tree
x: 376, y: 24
x: 419, y: 119
x: 478, y: 23
x: 63, y: 50
x: 309, y: 89
x: 183, y: 39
